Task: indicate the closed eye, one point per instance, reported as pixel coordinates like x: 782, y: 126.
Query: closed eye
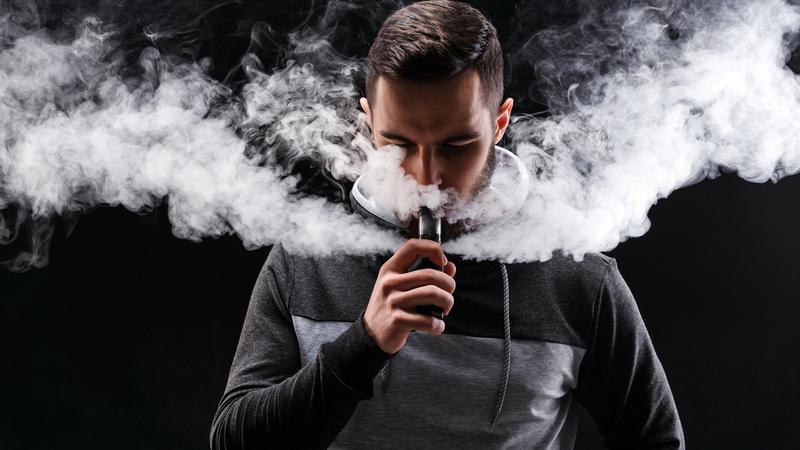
x: 458, y: 144
x: 401, y: 144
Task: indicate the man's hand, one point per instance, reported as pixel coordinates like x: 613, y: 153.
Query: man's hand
x: 390, y: 315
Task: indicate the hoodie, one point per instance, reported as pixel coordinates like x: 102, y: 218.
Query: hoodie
x: 522, y: 343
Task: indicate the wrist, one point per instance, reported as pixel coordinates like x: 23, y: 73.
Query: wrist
x: 354, y: 358
x: 370, y: 335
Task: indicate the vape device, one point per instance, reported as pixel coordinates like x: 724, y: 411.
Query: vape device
x: 511, y: 185
x: 430, y: 228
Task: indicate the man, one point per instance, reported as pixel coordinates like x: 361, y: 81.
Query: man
x: 327, y: 356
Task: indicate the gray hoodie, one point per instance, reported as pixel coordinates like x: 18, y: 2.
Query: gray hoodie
x: 522, y: 343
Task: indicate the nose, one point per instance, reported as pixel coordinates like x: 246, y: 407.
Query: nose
x: 424, y: 166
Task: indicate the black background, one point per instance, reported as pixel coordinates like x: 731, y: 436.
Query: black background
x: 125, y: 339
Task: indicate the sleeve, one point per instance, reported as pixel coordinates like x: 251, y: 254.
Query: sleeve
x: 269, y: 400
x: 621, y: 382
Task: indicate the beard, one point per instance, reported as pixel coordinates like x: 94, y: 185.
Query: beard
x: 453, y: 230
x: 485, y: 177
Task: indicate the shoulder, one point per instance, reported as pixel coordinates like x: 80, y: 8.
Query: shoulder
x: 561, y: 294
x: 326, y: 268
x: 565, y: 274
x: 325, y: 287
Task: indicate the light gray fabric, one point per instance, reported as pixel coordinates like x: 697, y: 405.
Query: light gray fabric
x: 459, y: 392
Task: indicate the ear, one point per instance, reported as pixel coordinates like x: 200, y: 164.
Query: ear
x: 503, y: 118
x: 365, y: 106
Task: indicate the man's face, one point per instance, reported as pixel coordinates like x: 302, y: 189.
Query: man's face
x: 445, y: 127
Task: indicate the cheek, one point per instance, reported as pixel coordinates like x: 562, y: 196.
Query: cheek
x: 465, y: 171
x: 472, y: 168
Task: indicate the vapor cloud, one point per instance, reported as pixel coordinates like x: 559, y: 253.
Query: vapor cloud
x: 672, y: 111
x: 76, y: 135
x: 77, y: 132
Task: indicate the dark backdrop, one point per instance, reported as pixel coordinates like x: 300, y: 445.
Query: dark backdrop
x: 125, y: 339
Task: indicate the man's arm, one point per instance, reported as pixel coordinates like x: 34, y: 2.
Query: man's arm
x: 269, y: 400
x: 621, y: 382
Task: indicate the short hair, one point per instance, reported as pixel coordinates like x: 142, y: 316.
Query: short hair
x: 435, y: 40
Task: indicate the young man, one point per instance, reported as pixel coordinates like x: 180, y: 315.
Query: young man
x: 327, y: 356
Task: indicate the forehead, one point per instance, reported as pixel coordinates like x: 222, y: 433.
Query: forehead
x: 430, y: 106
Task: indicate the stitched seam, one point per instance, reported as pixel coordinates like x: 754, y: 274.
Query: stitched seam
x: 596, y: 306
x: 519, y: 339
x: 291, y: 289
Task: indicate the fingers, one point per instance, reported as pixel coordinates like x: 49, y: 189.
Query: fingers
x: 423, y: 295
x: 426, y: 324
x: 422, y: 277
x: 410, y: 250
x: 450, y: 269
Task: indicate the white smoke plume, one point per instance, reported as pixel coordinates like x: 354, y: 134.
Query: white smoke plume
x: 395, y: 191
x: 77, y: 133
x: 671, y: 114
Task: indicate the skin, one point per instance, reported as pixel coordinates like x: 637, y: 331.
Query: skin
x: 447, y: 130
x: 431, y: 120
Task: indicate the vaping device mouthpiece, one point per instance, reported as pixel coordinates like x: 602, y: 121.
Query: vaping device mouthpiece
x: 429, y: 228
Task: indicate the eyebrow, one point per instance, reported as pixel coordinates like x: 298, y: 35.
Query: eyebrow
x: 456, y: 138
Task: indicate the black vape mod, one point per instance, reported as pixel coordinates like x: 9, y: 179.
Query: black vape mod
x: 429, y: 228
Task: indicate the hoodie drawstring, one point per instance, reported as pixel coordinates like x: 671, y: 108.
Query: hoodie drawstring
x: 385, y: 375
x: 501, y: 396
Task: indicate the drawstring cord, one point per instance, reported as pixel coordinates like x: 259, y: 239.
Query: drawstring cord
x: 501, y: 396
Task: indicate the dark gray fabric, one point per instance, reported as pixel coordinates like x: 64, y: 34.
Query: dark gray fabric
x: 304, y: 374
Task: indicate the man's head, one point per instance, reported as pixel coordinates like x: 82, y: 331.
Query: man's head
x: 434, y: 86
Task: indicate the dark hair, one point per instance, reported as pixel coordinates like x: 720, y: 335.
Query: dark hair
x: 435, y: 40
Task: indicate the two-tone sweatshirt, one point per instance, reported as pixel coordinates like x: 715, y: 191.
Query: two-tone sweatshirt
x: 522, y: 344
